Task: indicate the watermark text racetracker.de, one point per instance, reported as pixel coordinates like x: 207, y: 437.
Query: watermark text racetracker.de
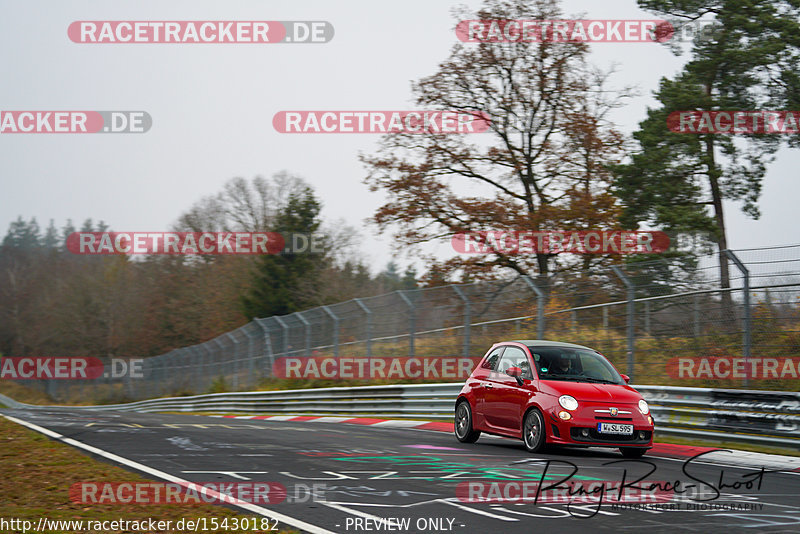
x: 218, y: 492
x: 564, y: 31
x: 583, y: 31
x: 730, y: 368
x: 68, y: 368
x: 74, y: 122
x: 734, y: 122
x: 566, y: 242
x: 381, y: 122
x: 246, y: 243
x: 375, y: 368
x: 148, y: 525
x: 200, y: 31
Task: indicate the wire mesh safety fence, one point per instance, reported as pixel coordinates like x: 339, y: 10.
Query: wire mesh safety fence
x: 668, y: 321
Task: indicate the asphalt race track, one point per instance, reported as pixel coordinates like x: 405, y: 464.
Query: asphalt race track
x: 410, y: 476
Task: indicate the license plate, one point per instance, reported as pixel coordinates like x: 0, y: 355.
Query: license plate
x: 614, y: 428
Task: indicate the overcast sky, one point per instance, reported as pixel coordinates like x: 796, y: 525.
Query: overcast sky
x: 212, y: 107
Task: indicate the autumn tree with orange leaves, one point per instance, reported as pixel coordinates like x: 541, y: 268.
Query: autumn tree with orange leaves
x: 541, y: 166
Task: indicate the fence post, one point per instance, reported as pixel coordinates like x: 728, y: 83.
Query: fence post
x: 251, y: 359
x: 194, y: 370
x: 746, y: 339
x: 631, y: 317
x: 412, y: 320
x: 539, y: 306
x: 647, y: 317
x: 219, y: 360
x: 335, y: 331
x: 207, y: 366
x: 696, y: 314
x: 267, y: 343
x: 178, y: 369
x: 369, y: 325
x: 467, y: 318
x: 285, y: 329
x: 307, y: 327
x: 235, y: 362
x: 152, y: 375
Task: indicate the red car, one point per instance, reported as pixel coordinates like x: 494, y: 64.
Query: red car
x: 550, y: 393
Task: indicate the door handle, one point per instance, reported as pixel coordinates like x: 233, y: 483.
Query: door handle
x: 490, y: 386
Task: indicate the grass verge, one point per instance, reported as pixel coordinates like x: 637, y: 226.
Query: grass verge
x: 24, y: 394
x: 38, y: 472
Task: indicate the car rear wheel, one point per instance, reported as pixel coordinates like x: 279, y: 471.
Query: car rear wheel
x: 632, y: 452
x: 463, y: 424
x: 533, y: 431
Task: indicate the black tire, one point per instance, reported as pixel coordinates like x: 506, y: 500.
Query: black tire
x: 533, y: 431
x: 632, y: 452
x: 462, y: 426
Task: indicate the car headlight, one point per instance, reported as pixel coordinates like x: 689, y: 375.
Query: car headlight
x: 643, y: 407
x: 568, y: 402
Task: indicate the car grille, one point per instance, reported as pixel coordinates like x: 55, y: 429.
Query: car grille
x: 596, y: 437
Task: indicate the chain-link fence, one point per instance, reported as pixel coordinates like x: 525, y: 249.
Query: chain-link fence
x: 655, y: 320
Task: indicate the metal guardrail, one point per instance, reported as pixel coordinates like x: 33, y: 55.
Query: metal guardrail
x: 769, y: 418
x: 11, y: 403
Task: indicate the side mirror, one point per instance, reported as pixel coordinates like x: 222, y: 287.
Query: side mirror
x: 515, y: 372
x: 626, y: 378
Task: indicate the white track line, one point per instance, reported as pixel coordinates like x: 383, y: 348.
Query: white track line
x: 313, y: 529
x: 478, y: 511
x: 397, y: 424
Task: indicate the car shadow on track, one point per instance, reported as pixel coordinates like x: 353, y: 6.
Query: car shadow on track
x: 551, y: 451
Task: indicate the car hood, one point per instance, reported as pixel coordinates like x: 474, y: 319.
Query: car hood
x: 589, y: 392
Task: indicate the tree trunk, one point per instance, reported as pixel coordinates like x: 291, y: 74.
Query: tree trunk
x: 722, y: 239
x: 544, y: 274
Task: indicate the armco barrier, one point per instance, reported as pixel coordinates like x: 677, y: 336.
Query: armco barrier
x: 744, y: 416
x: 769, y: 418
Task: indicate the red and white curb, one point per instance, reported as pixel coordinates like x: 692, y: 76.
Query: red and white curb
x: 712, y: 455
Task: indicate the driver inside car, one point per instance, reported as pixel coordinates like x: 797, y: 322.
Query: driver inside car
x: 564, y: 365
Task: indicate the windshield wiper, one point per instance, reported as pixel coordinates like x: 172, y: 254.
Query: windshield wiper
x: 598, y: 380
x: 575, y: 378
x: 561, y: 377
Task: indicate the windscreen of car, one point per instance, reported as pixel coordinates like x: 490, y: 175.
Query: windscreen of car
x: 577, y: 365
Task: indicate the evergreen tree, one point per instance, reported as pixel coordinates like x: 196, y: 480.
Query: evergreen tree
x: 748, y: 61
x: 283, y: 283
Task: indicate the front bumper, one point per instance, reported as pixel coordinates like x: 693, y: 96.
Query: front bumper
x: 582, y: 428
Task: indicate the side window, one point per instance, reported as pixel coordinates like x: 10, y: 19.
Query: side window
x: 515, y: 357
x: 491, y: 360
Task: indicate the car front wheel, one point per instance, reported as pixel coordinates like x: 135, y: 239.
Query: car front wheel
x: 463, y: 424
x: 533, y: 431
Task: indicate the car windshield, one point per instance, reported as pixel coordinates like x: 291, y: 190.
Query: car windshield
x: 573, y: 364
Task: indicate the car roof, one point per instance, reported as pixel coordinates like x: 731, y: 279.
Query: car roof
x: 545, y: 343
